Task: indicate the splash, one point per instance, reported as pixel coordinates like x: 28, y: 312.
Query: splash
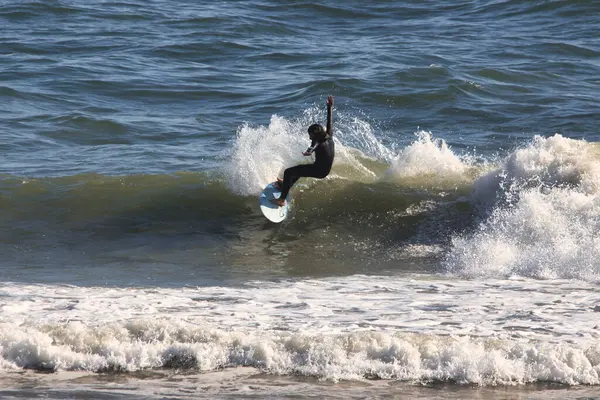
x: 550, y: 162
x: 262, y: 153
x: 429, y: 159
x: 541, y: 215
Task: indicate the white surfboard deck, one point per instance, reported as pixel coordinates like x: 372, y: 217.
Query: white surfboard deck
x: 271, y: 211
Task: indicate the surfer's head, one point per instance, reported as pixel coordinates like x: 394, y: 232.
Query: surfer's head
x: 317, y: 132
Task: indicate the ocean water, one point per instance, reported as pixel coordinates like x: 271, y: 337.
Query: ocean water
x: 453, y: 252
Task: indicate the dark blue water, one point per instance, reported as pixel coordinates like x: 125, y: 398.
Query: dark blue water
x: 117, y: 87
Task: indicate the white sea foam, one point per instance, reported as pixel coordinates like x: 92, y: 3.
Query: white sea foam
x: 431, y: 159
x: 541, y: 215
x: 493, y: 332
x: 550, y: 162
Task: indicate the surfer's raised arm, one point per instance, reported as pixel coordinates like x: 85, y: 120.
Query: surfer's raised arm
x: 330, y: 116
x: 316, y: 132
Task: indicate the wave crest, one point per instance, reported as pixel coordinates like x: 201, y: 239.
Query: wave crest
x: 540, y: 215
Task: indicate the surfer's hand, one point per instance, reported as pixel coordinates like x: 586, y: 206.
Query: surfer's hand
x: 329, y: 101
x: 306, y: 153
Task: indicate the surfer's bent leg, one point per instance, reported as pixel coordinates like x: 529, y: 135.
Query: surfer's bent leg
x: 291, y: 176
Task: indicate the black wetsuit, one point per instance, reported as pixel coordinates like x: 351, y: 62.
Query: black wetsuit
x: 324, y: 153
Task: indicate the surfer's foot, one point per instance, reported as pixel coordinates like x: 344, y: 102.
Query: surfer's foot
x: 278, y: 202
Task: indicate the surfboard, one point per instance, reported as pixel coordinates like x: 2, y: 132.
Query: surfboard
x: 271, y: 211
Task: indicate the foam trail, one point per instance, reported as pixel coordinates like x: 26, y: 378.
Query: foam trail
x: 541, y: 215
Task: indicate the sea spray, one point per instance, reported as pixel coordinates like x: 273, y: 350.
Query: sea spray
x: 430, y: 160
x: 261, y: 153
x: 540, y: 215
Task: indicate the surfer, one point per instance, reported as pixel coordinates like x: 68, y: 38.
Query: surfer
x: 323, y: 147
